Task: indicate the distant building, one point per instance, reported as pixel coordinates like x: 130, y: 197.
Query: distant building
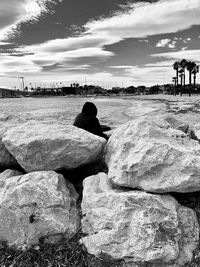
x: 7, y: 93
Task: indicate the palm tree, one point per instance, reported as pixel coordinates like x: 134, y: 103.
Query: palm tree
x: 181, y: 75
x: 174, y: 79
x: 194, y: 72
x: 183, y: 65
x: 190, y: 67
x: 176, y: 67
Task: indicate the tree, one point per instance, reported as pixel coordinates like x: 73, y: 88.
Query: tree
x: 181, y: 71
x: 183, y: 65
x: 176, y: 67
x: 174, y: 79
x: 194, y: 72
x: 190, y: 67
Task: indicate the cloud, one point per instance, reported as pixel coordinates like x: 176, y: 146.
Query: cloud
x: 148, y: 19
x: 163, y: 43
x: 121, y: 67
x: 172, y: 43
x: 69, y: 44
x: 186, y: 40
x: 159, y: 64
x: 14, y: 12
x: 138, y: 21
x: 153, y: 73
x: 36, y: 62
x: 148, y: 74
x: 5, y: 43
x: 10, y: 64
x: 193, y: 55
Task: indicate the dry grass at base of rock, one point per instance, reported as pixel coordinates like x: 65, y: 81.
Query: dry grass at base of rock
x: 67, y: 252
x: 196, y: 258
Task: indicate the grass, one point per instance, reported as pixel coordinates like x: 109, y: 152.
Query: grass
x: 67, y: 252
x: 196, y: 258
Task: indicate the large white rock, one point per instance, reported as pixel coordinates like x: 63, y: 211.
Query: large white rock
x: 6, y: 123
x: 197, y: 130
x: 35, y: 205
x: 6, y: 175
x: 44, y: 146
x: 135, y: 226
x: 149, y: 154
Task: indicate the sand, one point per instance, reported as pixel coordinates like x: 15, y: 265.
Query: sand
x: 112, y: 111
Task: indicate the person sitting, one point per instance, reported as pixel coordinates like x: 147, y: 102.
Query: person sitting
x: 88, y: 121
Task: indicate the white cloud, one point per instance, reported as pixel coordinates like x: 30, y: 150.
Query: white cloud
x: 163, y: 43
x: 159, y: 64
x: 13, y: 12
x: 10, y: 64
x: 186, y: 54
x: 5, y: 43
x: 147, y: 19
x: 34, y: 63
x: 137, y: 22
x: 71, y: 43
x: 149, y: 75
x: 152, y: 73
x: 140, y: 21
x: 167, y: 43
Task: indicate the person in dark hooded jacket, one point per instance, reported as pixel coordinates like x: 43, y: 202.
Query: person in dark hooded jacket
x: 87, y: 120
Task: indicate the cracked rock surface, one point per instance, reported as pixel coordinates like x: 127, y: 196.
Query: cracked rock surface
x: 44, y: 146
x: 6, y: 158
x: 140, y: 228
x: 35, y: 205
x: 149, y: 154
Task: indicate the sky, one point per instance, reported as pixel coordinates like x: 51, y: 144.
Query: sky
x: 111, y: 43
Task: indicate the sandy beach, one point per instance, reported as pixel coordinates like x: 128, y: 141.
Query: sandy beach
x: 112, y: 111
x: 185, y: 108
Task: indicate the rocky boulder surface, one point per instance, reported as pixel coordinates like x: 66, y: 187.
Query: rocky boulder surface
x: 42, y: 146
x: 140, y: 228
x: 34, y: 205
x: 149, y: 154
x: 7, y: 122
x: 197, y: 130
x: 6, y: 175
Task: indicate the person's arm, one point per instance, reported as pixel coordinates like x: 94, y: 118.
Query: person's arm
x: 98, y: 130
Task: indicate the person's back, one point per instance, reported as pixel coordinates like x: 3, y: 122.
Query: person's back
x: 87, y: 120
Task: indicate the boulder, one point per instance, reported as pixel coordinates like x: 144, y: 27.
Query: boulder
x: 184, y: 127
x: 37, y: 204
x: 149, y: 154
x: 135, y: 226
x: 42, y: 146
x: 7, y: 122
x: 6, y: 175
x: 177, y: 124
x: 197, y: 130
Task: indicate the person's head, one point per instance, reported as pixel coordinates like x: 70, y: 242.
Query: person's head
x: 89, y: 109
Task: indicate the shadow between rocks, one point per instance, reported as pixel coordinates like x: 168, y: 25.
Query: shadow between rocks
x: 190, y: 200
x: 17, y: 168
x: 76, y: 176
